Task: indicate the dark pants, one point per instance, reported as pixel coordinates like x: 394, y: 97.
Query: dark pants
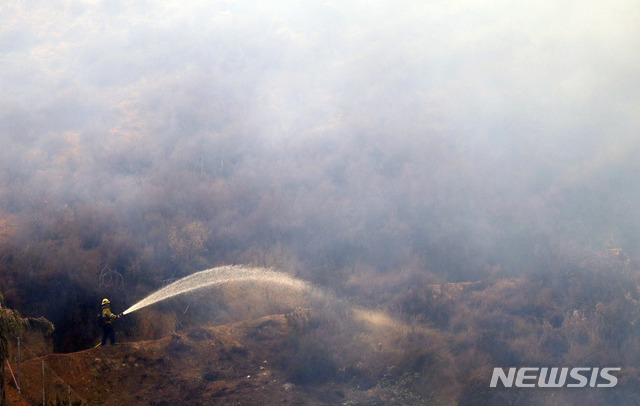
x: 107, y: 331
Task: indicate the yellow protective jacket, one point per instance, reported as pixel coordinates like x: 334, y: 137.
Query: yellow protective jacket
x: 107, y: 316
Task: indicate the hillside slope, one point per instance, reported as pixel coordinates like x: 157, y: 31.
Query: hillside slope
x: 335, y: 353
x: 227, y: 365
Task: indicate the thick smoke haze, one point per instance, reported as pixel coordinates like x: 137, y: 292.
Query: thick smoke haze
x: 528, y: 95
x: 473, y: 115
x: 418, y: 142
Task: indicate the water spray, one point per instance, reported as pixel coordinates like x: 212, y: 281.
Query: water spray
x: 218, y: 276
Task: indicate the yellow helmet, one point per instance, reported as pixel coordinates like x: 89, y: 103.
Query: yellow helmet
x: 105, y: 301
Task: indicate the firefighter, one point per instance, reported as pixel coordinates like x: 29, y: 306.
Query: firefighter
x: 107, y: 318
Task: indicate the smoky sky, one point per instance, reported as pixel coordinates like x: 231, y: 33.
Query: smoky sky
x: 470, y: 105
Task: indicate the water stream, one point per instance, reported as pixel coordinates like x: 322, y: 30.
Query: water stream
x: 217, y: 276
